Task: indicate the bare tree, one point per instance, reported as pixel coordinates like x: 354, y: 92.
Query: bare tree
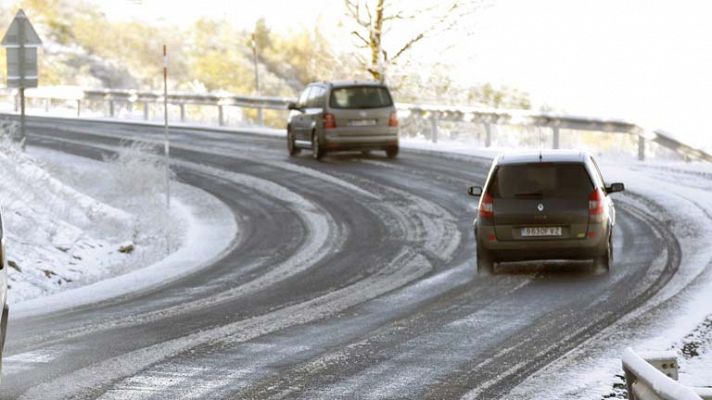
x: 374, y: 19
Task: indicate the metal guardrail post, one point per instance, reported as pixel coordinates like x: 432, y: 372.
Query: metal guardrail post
x: 488, y: 134
x: 79, y: 107
x: 434, y: 128
x: 182, y: 112
x: 47, y: 104
x: 629, y: 380
x: 641, y: 148
x: 145, y: 110
x: 667, y: 364
x: 555, y: 139
x: 221, y: 116
x: 654, y: 377
x: 111, y: 108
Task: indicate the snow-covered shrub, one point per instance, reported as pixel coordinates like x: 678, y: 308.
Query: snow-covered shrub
x: 137, y: 181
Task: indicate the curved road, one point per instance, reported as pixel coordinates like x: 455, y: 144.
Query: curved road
x: 350, y: 278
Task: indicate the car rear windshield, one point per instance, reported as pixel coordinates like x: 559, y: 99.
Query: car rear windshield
x: 360, y: 97
x: 538, y: 180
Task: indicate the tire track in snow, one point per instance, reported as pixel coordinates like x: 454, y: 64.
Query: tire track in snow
x: 406, y: 267
x: 325, y: 238
x: 242, y: 153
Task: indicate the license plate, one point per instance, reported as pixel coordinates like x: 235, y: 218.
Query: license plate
x: 362, y: 122
x: 541, y: 231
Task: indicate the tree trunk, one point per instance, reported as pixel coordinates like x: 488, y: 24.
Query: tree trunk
x: 376, y: 69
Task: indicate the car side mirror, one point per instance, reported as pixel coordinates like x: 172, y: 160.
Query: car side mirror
x: 615, y: 187
x: 293, y: 106
x: 474, y: 191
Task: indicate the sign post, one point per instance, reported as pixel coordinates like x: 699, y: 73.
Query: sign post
x: 166, y: 144
x: 260, y: 121
x: 21, y: 42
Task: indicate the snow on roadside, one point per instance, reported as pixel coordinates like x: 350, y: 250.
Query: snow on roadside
x: 72, y: 221
x: 56, y: 236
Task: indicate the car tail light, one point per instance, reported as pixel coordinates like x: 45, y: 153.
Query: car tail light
x: 486, y: 206
x: 329, y: 121
x: 595, y: 205
x: 393, y: 119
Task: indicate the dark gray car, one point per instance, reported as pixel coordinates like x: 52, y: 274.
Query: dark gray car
x: 542, y: 206
x: 341, y: 116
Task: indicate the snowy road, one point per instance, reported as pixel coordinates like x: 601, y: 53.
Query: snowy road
x: 350, y: 278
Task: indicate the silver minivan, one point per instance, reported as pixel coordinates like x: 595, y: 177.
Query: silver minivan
x: 343, y: 116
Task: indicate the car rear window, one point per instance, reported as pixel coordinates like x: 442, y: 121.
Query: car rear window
x: 541, y: 180
x: 360, y: 97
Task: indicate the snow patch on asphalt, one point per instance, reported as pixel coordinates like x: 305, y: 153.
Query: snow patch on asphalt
x: 406, y: 267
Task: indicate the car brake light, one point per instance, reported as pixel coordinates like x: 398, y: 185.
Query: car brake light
x: 329, y: 121
x: 595, y: 205
x: 486, y: 206
x: 393, y: 119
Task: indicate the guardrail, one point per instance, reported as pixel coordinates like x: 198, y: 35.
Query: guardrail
x: 429, y: 114
x: 654, y: 377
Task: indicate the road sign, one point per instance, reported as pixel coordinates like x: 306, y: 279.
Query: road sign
x: 21, y: 41
x: 21, y: 73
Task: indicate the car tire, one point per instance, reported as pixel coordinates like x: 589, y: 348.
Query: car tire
x: 291, y: 146
x: 317, y: 150
x: 3, y: 334
x: 604, y: 261
x: 365, y: 153
x: 485, y: 264
x: 392, y: 152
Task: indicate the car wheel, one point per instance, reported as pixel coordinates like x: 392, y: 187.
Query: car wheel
x: 604, y: 262
x: 392, y: 152
x: 365, y: 153
x: 317, y: 150
x: 291, y: 146
x: 485, y: 264
x: 3, y: 326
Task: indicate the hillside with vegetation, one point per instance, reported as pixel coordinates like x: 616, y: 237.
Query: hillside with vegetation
x: 82, y: 47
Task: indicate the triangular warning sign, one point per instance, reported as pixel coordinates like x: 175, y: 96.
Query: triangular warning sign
x: 21, y: 32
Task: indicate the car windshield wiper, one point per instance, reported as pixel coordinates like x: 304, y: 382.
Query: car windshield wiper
x: 538, y: 193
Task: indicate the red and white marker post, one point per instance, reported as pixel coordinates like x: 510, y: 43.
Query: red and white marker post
x: 166, y: 146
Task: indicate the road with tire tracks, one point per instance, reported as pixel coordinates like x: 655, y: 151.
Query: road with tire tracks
x: 352, y: 277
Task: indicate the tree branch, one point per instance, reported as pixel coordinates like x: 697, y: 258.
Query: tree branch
x: 408, y: 45
x: 441, y: 20
x: 353, y: 7
x: 402, y: 15
x: 363, y: 39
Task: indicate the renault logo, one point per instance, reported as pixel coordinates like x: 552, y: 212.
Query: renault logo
x: 540, y: 207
